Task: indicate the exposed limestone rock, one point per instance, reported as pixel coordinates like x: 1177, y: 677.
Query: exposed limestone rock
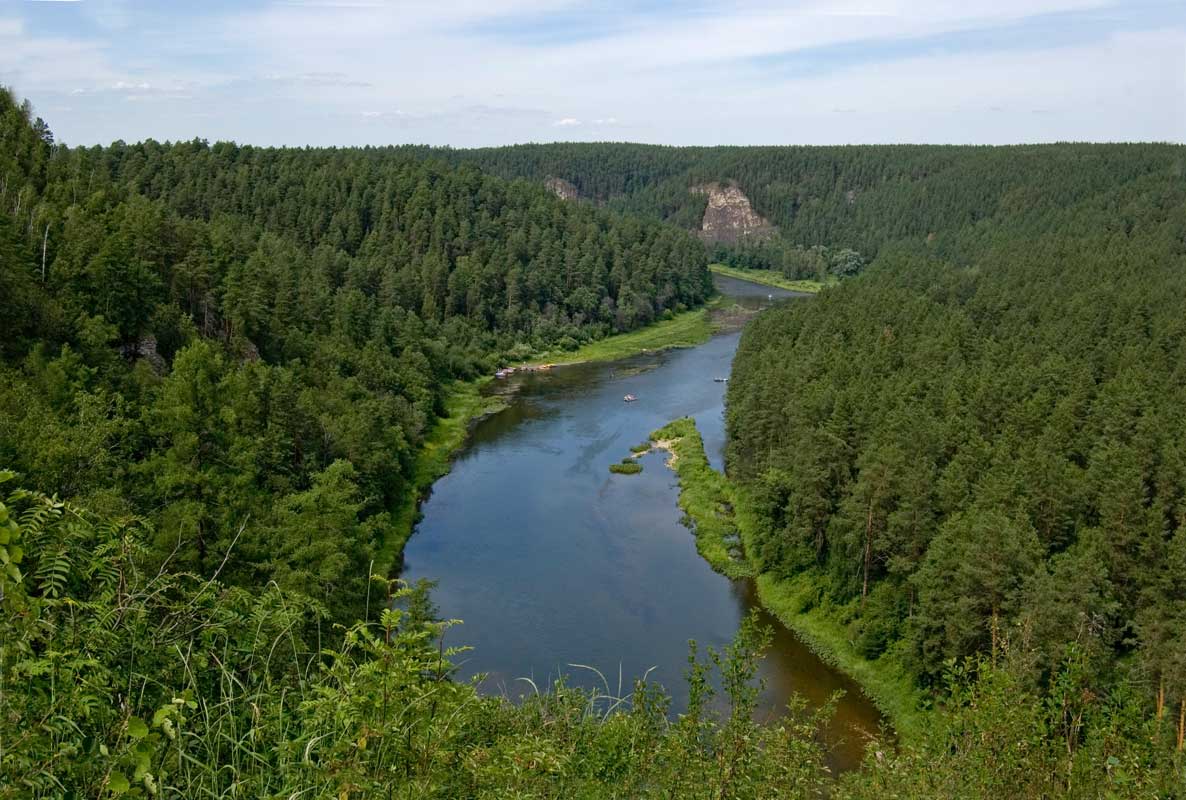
x: 145, y: 348
x: 248, y: 352
x: 729, y: 216
x: 562, y: 188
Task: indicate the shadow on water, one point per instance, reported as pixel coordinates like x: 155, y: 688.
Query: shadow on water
x: 551, y: 560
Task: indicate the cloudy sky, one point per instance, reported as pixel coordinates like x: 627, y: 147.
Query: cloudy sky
x: 488, y: 72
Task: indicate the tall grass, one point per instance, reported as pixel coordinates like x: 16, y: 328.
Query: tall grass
x: 768, y: 277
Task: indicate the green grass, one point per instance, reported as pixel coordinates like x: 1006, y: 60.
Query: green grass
x: 687, y: 329
x: 885, y: 681
x: 768, y: 277
x: 627, y: 467
x: 719, y: 509
x: 822, y: 627
x: 465, y: 403
x: 706, y: 497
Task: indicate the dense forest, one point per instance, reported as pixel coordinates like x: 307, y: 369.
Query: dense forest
x: 851, y: 198
x: 249, y: 345
x: 857, y: 196
x: 219, y: 363
x: 978, y: 447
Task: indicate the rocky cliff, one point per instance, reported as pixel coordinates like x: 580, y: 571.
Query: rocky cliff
x: 562, y: 188
x: 729, y: 216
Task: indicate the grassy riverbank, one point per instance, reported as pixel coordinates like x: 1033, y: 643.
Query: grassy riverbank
x: 717, y: 508
x: 686, y: 329
x: 821, y: 628
x: 768, y: 277
x: 465, y: 404
x: 706, y: 497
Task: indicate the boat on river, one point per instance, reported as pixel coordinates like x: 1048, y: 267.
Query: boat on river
x: 629, y: 398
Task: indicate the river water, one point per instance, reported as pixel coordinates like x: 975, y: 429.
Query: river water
x: 552, y: 561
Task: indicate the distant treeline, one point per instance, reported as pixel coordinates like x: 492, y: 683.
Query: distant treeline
x: 859, y: 198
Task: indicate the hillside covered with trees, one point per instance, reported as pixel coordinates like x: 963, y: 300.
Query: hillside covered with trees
x: 248, y: 346
x: 852, y: 198
x: 976, y: 448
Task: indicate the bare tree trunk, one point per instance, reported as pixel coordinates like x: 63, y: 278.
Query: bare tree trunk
x: 44, y: 244
x: 868, y: 552
x: 994, y: 631
x: 1181, y: 722
x: 1160, y: 698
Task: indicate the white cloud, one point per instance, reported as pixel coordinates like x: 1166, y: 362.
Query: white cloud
x: 387, y: 116
x: 312, y: 71
x: 1102, y: 91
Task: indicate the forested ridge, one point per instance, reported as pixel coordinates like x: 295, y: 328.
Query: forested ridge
x: 248, y: 345
x: 976, y: 447
x: 856, y: 198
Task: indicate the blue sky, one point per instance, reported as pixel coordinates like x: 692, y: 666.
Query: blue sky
x: 489, y: 72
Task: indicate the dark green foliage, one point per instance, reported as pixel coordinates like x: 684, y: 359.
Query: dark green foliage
x: 997, y: 737
x: 857, y: 198
x: 795, y: 262
x: 249, y: 346
x: 978, y: 446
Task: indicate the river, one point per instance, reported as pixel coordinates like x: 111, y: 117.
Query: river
x: 551, y: 560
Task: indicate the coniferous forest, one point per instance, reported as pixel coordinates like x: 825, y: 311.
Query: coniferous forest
x: 219, y: 364
x: 977, y: 448
x: 211, y: 334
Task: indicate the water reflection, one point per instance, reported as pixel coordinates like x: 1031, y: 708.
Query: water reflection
x: 551, y: 560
